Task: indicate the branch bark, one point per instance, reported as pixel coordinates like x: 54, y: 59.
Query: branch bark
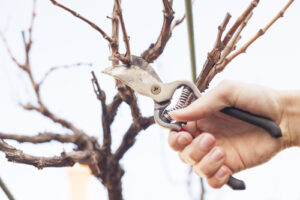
x: 65, y: 159
x: 155, y: 50
x: 40, y: 138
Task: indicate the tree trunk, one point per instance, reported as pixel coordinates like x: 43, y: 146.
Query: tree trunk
x: 115, y: 192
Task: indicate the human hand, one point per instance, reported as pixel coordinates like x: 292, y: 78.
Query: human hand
x: 225, y: 145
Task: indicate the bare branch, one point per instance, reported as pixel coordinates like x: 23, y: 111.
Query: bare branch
x: 212, y: 57
x: 239, y: 21
x: 44, y: 111
x: 221, y: 29
x: 180, y: 20
x: 232, y: 44
x: 13, y: 58
x: 6, y: 190
x: 40, y: 138
x: 52, y: 69
x: 65, y: 159
x: 93, y: 25
x: 113, y: 107
x: 105, y: 115
x: 129, y: 97
x: 254, y: 38
x: 29, y: 43
x: 125, y: 36
x: 129, y: 137
x: 156, y: 49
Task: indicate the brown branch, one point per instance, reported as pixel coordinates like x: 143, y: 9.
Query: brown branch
x: 231, y: 46
x: 40, y: 138
x: 105, y: 115
x: 111, y: 41
x: 129, y: 97
x: 125, y: 36
x: 28, y: 46
x: 212, y: 57
x: 13, y: 58
x: 93, y: 25
x: 155, y: 50
x: 180, y: 20
x: 238, y: 22
x: 221, y: 29
x: 129, y: 137
x: 255, y: 37
x: 65, y: 159
x: 112, y: 108
x: 52, y: 69
x: 44, y: 111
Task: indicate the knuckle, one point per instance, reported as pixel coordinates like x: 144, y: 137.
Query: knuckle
x: 182, y: 157
x: 201, y: 170
x: 225, y: 89
x: 190, y: 157
x: 187, y: 156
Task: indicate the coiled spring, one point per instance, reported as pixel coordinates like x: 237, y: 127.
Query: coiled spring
x: 181, y: 103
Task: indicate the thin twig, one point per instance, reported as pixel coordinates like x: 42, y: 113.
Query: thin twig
x: 13, y: 58
x: 93, y: 25
x: 221, y: 29
x: 232, y: 44
x: 213, y: 56
x: 6, y: 191
x: 129, y: 137
x: 180, y: 20
x: 47, y: 113
x: 52, y: 69
x: 255, y: 37
x: 125, y: 36
x: 238, y: 22
x: 105, y: 125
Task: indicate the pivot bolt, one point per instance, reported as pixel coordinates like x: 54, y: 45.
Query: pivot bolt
x: 155, y: 89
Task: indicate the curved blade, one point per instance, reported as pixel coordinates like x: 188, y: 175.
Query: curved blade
x: 140, y: 76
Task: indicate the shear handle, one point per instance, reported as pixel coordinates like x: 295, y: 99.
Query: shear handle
x: 267, y: 124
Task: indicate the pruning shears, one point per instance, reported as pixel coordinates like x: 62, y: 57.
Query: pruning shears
x: 142, y: 78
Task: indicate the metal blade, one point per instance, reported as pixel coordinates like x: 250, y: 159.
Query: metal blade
x: 140, y: 76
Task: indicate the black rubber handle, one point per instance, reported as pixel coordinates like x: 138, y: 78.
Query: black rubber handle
x: 236, y: 184
x: 267, y: 124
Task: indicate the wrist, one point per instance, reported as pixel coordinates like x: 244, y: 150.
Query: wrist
x: 290, y: 117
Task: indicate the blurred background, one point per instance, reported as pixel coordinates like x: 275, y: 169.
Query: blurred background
x: 152, y: 170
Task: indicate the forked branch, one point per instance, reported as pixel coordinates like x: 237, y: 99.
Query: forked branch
x: 260, y: 33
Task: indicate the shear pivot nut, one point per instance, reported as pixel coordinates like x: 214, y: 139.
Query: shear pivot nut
x: 155, y: 89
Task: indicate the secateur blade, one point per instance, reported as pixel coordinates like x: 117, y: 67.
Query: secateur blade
x: 138, y: 76
x: 142, y: 78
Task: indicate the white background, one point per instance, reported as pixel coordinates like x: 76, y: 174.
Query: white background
x: 153, y: 171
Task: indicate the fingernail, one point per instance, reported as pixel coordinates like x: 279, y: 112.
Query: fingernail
x: 217, y: 155
x: 223, y: 171
x: 206, y: 142
x: 182, y: 140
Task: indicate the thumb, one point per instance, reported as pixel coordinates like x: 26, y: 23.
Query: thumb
x: 218, y: 98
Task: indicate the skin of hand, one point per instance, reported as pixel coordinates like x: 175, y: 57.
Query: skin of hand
x: 224, y: 145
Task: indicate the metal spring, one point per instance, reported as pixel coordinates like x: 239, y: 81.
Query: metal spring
x: 185, y: 93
